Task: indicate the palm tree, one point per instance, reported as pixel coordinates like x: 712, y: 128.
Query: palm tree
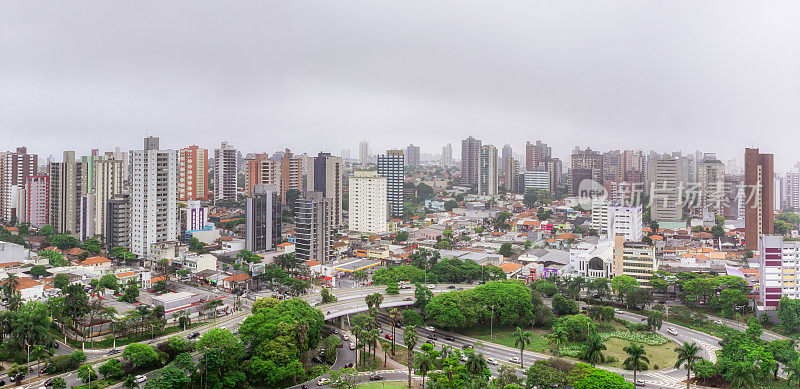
x: 11, y: 285
x: 475, y: 364
x: 742, y: 376
x: 636, y: 358
x: 424, y: 364
x: 394, y: 315
x: 593, y: 350
x: 521, y: 340
x: 687, y: 353
x: 14, y: 301
x: 557, y: 339
x: 792, y: 370
x: 410, y: 340
x: 445, y: 352
x: 357, y: 335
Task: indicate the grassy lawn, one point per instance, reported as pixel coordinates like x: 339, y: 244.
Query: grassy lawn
x: 383, y: 385
x: 504, y: 336
x: 662, y: 356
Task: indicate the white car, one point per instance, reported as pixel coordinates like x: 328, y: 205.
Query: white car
x: 464, y: 358
x: 431, y: 286
x: 431, y: 329
x: 639, y: 383
x: 345, y: 337
x: 323, y: 381
x: 352, y: 346
x: 671, y: 331
x: 617, y: 310
x: 718, y: 322
x: 140, y: 379
x: 514, y: 360
x: 491, y: 361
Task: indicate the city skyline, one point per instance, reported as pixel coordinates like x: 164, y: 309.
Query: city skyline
x: 524, y: 77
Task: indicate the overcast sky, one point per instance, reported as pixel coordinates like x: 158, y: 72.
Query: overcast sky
x: 716, y: 76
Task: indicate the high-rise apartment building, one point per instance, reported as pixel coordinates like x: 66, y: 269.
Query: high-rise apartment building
x: 470, y: 161
x: 108, y: 182
x: 510, y: 173
x: 488, y: 179
x: 390, y: 166
x: 15, y: 168
x: 363, y: 152
x: 759, y: 197
x: 554, y: 167
x: 263, y: 219
x: 447, y: 156
x: 412, y: 156
x: 225, y: 172
x: 792, y: 189
x: 154, y: 197
x: 314, y: 227
x: 507, y: 153
x: 118, y: 222
x: 590, y: 160
x: 261, y: 170
x: 666, y: 192
x: 779, y: 264
x: 291, y: 173
x: 325, y: 174
x: 67, y: 187
x: 193, y: 173
x: 711, y: 181
x: 368, y: 206
x: 536, y: 155
x: 610, y: 220
x: 37, y: 200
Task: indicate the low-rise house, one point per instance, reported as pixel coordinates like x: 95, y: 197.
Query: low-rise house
x: 97, y: 262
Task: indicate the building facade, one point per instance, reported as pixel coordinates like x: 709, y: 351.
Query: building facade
x: 779, y: 264
x: 470, y: 161
x: 154, y: 197
x: 759, y: 205
x: 263, y: 219
x: 67, y: 184
x: 314, y: 227
x: 390, y: 166
x: 37, y: 200
x: 634, y: 259
x: 325, y: 174
x: 193, y: 174
x: 225, y: 172
x: 118, y: 222
x: 412, y: 156
x: 368, y: 206
x: 488, y: 180
x: 15, y: 168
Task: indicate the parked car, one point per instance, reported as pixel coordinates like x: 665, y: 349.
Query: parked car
x: 375, y: 377
x: 321, y: 351
x: 55, y: 345
x: 617, y: 310
x: 451, y: 287
x: 48, y: 382
x: 464, y: 358
x: 431, y: 286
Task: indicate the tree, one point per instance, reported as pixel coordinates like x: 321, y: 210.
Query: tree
x: 47, y: 230
x: 601, y: 379
x: 401, y: 236
x: 655, y: 320
x: 423, y: 296
x: 327, y: 296
x: 346, y: 377
x: 521, y: 340
x: 410, y: 340
x: 792, y: 370
x: 637, y: 297
x: 411, y: 317
x: 249, y: 256
x: 540, y: 375
x: 140, y: 355
x: 60, y: 281
x: 160, y: 287
x: 687, y: 354
x: 38, y: 271
x: 424, y: 364
x: 742, y: 375
x: 111, y: 369
x: 622, y: 285
x: 58, y: 383
x: 266, y: 302
x: 557, y: 339
x: 222, y: 355
x: 564, y: 306
x: 87, y: 373
x: 789, y: 314
x: 476, y: 364
x: 506, y: 250
x: 593, y: 350
x: 637, y: 358
x: 392, y: 288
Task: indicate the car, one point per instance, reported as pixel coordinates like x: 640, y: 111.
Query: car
x: 321, y: 351
x: 193, y: 335
x: 375, y: 377
x: 352, y: 346
x: 617, y: 310
x: 140, y: 379
x: 348, y: 365
x: 335, y: 331
x: 55, y: 345
x: 450, y: 338
x: 408, y: 299
x: 113, y: 351
x: 718, y: 322
x: 323, y: 381
x: 671, y: 331
x: 317, y: 359
x: 431, y: 286
x: 388, y: 337
x: 643, y: 319
x: 44, y: 369
x: 467, y: 346
x: 431, y: 329
x: 48, y: 382
x: 340, y: 345
x: 464, y: 358
x: 491, y: 361
x: 639, y: 383
x: 514, y: 360
x: 451, y: 287
x: 432, y: 336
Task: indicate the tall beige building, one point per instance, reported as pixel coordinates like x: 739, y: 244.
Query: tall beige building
x: 108, y: 176
x: 369, y: 210
x: 488, y: 177
x: 666, y: 201
x: 67, y: 185
x: 290, y: 174
x: 711, y: 177
x: 192, y: 173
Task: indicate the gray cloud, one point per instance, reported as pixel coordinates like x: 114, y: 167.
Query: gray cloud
x: 716, y: 76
